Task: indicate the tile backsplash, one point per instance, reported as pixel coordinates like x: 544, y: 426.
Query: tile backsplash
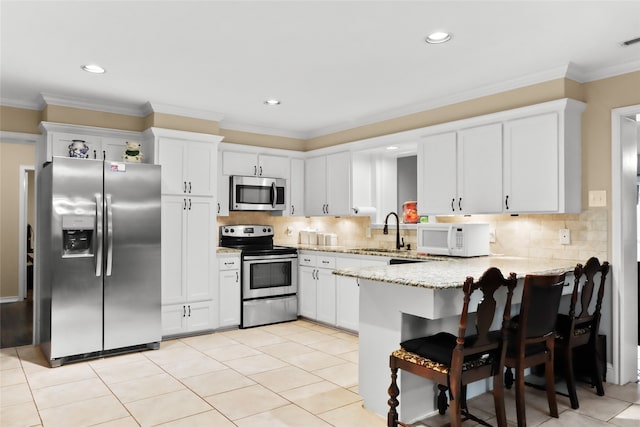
x: 535, y: 236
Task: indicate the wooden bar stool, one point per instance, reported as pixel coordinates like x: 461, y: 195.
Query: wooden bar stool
x: 453, y: 362
x: 532, y: 335
x: 580, y: 327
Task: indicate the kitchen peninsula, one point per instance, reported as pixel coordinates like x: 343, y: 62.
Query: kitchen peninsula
x: 400, y: 302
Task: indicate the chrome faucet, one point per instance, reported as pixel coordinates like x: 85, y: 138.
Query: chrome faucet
x: 385, y: 230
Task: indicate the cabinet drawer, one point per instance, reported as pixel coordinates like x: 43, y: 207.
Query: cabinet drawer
x: 326, y: 262
x: 307, y: 260
x: 228, y: 263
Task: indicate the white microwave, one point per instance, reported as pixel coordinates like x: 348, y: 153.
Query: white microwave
x: 462, y: 240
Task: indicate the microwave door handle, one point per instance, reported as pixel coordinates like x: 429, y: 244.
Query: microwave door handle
x: 274, y: 195
x: 450, y: 236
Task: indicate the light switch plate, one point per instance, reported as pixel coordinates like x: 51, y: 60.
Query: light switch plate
x: 597, y: 198
x: 565, y: 236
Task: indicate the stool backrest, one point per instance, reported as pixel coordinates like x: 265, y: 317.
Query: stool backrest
x: 540, y: 303
x: 584, y: 286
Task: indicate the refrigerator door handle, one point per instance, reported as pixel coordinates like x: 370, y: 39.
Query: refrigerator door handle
x: 98, y: 243
x: 109, y: 236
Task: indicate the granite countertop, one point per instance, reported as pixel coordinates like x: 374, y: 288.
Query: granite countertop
x: 223, y: 250
x: 389, y: 253
x: 446, y: 272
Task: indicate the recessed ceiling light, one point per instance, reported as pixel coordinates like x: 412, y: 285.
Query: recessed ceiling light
x: 392, y: 147
x: 438, y: 37
x: 93, y: 68
x: 272, y: 102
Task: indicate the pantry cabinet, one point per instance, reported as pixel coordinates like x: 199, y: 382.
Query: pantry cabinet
x: 255, y: 164
x: 328, y: 184
x: 229, y: 288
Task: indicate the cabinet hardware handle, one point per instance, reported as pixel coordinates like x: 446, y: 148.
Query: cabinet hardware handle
x: 452, y: 201
x: 104, y: 155
x: 184, y: 206
x: 189, y: 311
x: 237, y: 277
x: 95, y: 156
x: 189, y: 204
x: 506, y: 202
x: 460, y: 203
x: 184, y: 311
x: 255, y: 170
x: 185, y: 186
x: 260, y: 170
x: 218, y: 207
x: 293, y: 209
x: 189, y: 187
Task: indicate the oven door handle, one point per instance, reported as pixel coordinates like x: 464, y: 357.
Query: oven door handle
x: 269, y: 257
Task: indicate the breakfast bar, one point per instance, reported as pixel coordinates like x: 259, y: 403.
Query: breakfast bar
x: 400, y: 302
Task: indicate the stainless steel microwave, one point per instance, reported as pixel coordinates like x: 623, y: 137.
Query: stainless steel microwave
x: 252, y: 193
x: 463, y: 240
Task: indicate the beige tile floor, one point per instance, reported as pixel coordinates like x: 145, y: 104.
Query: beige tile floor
x: 291, y: 374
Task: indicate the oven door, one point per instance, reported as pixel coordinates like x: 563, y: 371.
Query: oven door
x: 269, y: 276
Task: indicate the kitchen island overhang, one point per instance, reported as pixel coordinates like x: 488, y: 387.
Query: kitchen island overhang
x: 400, y: 302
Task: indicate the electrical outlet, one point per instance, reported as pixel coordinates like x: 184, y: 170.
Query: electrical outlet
x: 492, y: 235
x: 565, y: 236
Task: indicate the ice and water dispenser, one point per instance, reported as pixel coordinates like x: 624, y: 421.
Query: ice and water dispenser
x: 78, y: 232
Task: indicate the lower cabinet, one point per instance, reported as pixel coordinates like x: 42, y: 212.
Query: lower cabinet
x: 229, y: 287
x: 192, y: 317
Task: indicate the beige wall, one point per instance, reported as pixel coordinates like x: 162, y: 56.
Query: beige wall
x: 601, y: 96
x: 12, y: 156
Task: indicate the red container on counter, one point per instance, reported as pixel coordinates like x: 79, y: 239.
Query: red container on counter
x: 410, y: 212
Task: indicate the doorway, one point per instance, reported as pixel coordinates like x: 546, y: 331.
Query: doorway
x: 17, y: 317
x: 624, y: 157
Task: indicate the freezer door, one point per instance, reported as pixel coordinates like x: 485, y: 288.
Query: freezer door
x: 132, y: 313
x: 73, y: 279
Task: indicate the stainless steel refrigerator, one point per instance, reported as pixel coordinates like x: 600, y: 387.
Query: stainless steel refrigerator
x: 98, y: 288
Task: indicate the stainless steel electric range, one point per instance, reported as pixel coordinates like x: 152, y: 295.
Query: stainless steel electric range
x: 269, y: 274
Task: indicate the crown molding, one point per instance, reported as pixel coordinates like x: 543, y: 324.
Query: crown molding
x: 92, y: 104
x: 528, y: 80
x: 19, y: 103
x: 154, y: 107
x: 19, y: 137
x: 612, y: 71
x: 244, y: 127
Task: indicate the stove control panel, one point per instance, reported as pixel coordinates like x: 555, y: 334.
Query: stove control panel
x: 246, y: 230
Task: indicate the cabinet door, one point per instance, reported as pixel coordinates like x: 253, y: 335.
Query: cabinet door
x: 171, y: 157
x: 201, y: 316
x: 200, y: 251
x: 236, y: 163
x: 200, y: 169
x: 172, y: 249
x: 480, y: 170
x: 296, y: 188
x: 326, y: 296
x: 338, y: 184
x: 273, y: 166
x: 60, y: 144
x: 347, y: 303
x: 223, y: 195
x: 437, y: 187
x: 315, y: 177
x: 307, y: 287
x: 174, y: 319
x: 230, y: 297
x: 531, y: 168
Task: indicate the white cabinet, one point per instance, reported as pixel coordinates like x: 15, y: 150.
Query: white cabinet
x: 532, y: 168
x: 192, y: 317
x: 229, y: 288
x: 317, y: 286
x: 104, y: 144
x: 526, y: 160
x: 254, y: 164
x: 188, y: 167
x: 187, y: 251
x: 461, y: 172
x: 348, y: 291
x: 223, y: 195
x: 296, y: 188
x: 328, y: 184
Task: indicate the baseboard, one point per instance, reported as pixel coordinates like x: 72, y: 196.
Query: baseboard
x: 9, y: 299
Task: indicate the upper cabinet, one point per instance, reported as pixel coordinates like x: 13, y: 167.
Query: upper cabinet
x: 254, y: 164
x: 296, y: 188
x: 188, y: 161
x: 100, y: 143
x: 518, y: 161
x: 328, y: 184
x: 460, y: 172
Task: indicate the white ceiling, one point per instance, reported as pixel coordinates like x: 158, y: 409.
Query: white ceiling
x: 333, y: 64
